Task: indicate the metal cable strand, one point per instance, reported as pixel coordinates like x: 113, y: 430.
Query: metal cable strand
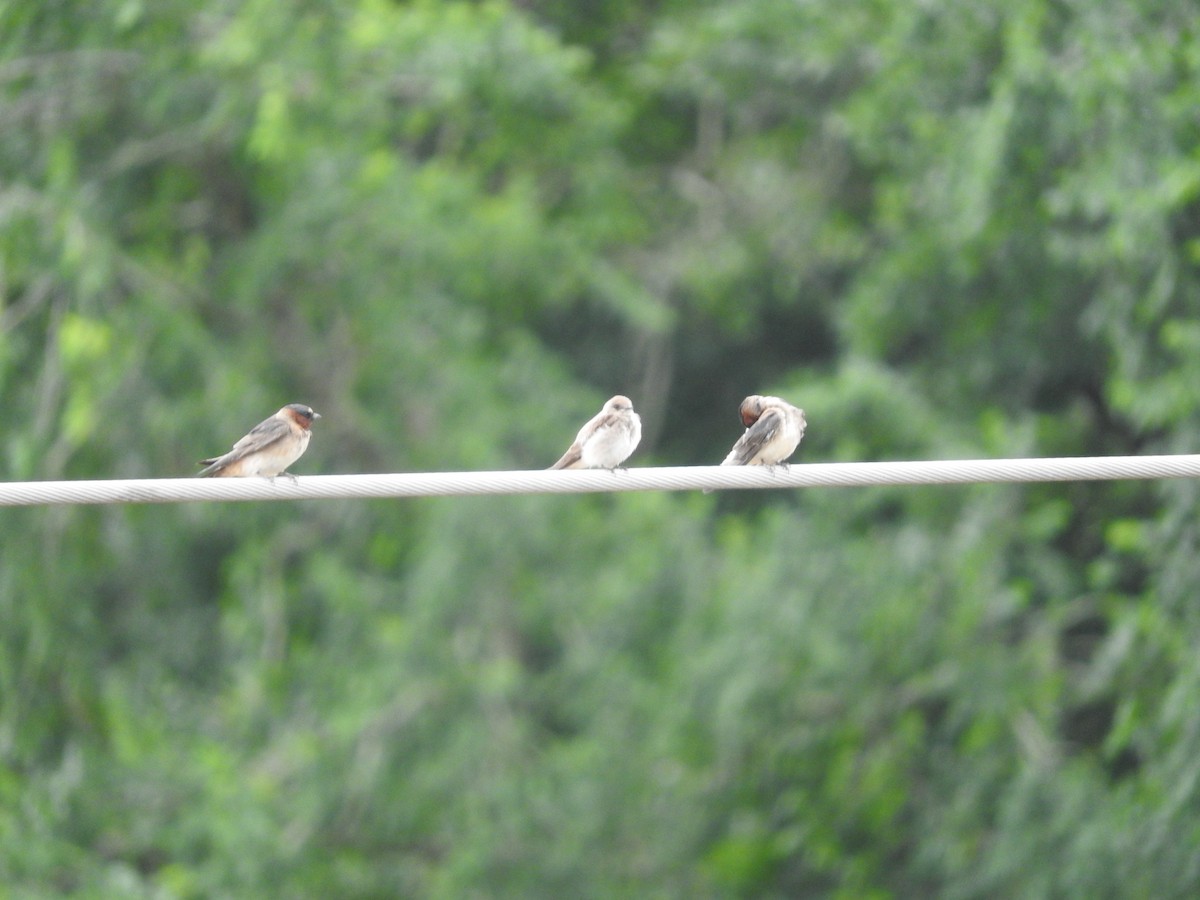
x: 441, y: 484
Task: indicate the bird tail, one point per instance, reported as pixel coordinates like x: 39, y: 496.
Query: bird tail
x: 569, y: 461
x: 211, y: 467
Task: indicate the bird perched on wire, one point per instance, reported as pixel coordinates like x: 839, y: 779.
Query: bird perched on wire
x: 606, y: 440
x: 773, y: 431
x: 269, y: 448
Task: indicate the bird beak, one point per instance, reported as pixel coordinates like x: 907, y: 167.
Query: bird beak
x: 316, y: 416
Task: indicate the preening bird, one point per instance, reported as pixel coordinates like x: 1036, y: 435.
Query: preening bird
x: 773, y: 431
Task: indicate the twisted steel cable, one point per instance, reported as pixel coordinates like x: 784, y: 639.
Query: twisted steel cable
x: 445, y: 484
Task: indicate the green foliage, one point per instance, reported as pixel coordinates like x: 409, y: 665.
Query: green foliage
x: 946, y: 230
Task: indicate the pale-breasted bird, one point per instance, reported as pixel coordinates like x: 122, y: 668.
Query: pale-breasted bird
x: 269, y: 448
x: 773, y: 431
x: 606, y: 440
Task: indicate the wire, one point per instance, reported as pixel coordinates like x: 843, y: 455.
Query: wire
x: 444, y: 484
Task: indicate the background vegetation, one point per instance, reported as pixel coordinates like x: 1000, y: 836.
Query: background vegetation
x: 454, y: 228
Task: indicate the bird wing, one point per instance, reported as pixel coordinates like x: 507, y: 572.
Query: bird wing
x: 569, y: 459
x: 574, y: 453
x: 756, y: 437
x: 602, y: 420
x: 265, y: 434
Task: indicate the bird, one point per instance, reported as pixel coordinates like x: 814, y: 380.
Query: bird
x: 606, y: 440
x: 268, y: 448
x: 774, y: 429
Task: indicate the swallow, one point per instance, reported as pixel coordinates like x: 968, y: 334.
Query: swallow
x: 773, y: 431
x: 269, y: 448
x: 606, y: 440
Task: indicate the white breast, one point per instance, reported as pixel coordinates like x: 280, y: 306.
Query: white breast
x: 271, y: 462
x: 611, y: 446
